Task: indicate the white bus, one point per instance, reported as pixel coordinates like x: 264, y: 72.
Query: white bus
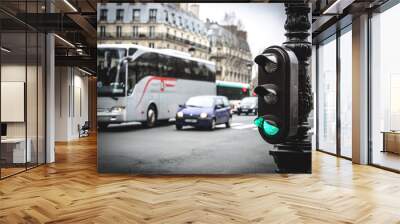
x: 136, y: 83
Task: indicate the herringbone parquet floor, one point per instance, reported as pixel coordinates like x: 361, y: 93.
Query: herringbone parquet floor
x: 71, y: 191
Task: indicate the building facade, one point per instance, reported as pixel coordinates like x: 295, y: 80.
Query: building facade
x: 166, y: 25
x: 230, y: 51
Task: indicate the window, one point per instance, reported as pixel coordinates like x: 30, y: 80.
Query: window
x: 173, y: 18
x: 151, y: 45
x: 153, y: 14
x: 136, y: 15
x: 120, y: 14
x: 102, y: 31
x: 346, y: 93
x: 119, y: 31
x: 180, y: 20
x: 327, y: 95
x: 218, y: 101
x: 152, y: 31
x: 166, y: 15
x: 145, y: 65
x: 131, y: 51
x: 226, y: 102
x: 103, y: 14
x: 385, y: 88
x: 135, y: 31
x: 183, y: 68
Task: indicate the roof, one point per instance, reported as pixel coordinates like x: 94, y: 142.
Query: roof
x: 169, y: 52
x: 232, y: 84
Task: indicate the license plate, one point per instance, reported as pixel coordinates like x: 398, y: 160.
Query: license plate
x: 190, y: 120
x: 245, y: 110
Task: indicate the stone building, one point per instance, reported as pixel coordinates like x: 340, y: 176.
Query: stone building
x: 157, y: 25
x: 230, y: 51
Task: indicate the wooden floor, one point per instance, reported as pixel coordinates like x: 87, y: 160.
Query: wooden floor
x: 71, y: 191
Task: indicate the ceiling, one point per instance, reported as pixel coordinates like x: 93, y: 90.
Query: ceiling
x: 74, y: 22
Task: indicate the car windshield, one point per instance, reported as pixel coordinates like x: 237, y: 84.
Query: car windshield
x: 249, y: 100
x: 111, y: 72
x: 200, y: 101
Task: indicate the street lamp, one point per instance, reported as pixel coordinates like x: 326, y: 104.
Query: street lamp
x: 249, y: 66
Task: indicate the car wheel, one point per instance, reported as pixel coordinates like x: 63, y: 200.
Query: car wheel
x: 178, y: 127
x: 247, y: 114
x: 212, y: 125
x: 228, y: 123
x: 151, y: 117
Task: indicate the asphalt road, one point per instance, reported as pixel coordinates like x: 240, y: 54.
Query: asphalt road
x: 165, y: 150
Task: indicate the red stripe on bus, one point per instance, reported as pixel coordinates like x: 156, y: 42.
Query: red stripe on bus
x: 162, y: 79
x: 169, y: 85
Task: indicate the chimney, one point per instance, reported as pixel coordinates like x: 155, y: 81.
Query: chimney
x: 242, y: 34
x: 184, y: 6
x: 195, y: 9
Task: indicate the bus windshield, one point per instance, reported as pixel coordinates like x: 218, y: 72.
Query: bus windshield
x: 111, y: 72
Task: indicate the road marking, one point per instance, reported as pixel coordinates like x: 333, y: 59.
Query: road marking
x: 236, y: 124
x: 245, y: 126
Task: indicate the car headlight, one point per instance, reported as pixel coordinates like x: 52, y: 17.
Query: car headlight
x: 203, y: 115
x: 179, y: 114
x: 117, y: 109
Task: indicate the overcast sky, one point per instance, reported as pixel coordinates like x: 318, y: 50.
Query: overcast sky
x: 264, y: 22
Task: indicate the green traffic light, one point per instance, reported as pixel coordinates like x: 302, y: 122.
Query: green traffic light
x: 268, y: 128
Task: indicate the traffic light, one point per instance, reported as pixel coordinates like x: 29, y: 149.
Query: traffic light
x: 277, y: 93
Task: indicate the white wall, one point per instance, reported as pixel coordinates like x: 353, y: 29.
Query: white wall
x: 71, y: 102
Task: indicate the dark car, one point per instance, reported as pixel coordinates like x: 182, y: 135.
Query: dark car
x: 204, y: 112
x: 248, y: 105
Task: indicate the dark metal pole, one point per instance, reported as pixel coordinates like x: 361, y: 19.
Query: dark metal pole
x: 294, y: 155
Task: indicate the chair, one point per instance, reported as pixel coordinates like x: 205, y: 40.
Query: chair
x: 84, y: 130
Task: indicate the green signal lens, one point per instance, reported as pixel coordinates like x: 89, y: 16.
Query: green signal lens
x: 259, y: 122
x: 268, y: 128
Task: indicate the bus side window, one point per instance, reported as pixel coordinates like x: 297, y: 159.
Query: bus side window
x: 149, y: 64
x: 131, y: 51
x: 182, y: 69
x: 162, y: 65
x: 204, y: 72
x: 132, y: 76
x: 186, y: 69
x: 195, y: 70
x: 211, y: 73
x: 170, y: 66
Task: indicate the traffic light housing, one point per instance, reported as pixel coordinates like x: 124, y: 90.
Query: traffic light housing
x: 277, y: 93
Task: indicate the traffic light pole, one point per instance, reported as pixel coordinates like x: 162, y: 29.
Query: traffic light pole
x: 294, y: 155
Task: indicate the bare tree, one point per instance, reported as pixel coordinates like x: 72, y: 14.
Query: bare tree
x: 240, y: 25
x: 230, y: 19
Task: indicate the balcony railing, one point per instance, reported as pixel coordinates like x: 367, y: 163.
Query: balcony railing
x: 147, y: 36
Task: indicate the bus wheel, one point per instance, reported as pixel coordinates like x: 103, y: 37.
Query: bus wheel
x: 151, y: 117
x: 178, y: 127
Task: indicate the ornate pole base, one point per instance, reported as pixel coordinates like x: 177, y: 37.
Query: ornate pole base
x: 294, y: 156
